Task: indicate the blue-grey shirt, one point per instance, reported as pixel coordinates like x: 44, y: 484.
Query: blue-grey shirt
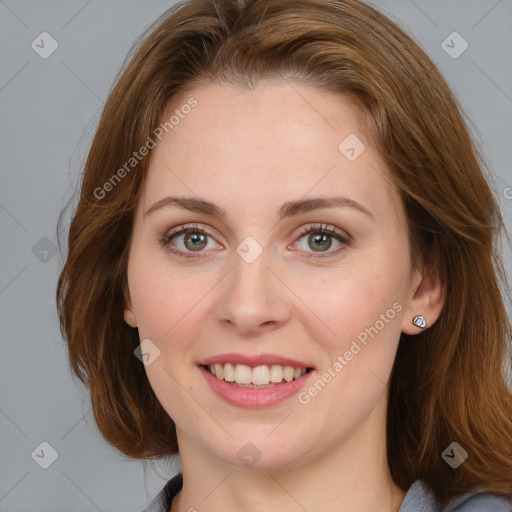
x: 419, y: 498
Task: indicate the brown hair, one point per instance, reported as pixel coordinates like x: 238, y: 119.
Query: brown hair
x: 448, y: 382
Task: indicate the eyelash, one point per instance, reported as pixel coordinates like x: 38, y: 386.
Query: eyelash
x: 320, y: 228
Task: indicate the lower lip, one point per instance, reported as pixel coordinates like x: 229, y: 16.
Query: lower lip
x: 255, y: 398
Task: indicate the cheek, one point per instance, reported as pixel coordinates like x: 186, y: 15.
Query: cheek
x: 347, y: 301
x: 362, y: 316
x: 361, y: 313
x: 163, y: 296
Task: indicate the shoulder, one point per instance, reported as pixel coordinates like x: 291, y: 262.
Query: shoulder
x: 162, y: 501
x: 481, y: 501
x: 421, y: 498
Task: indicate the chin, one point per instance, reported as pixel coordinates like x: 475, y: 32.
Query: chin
x: 259, y: 452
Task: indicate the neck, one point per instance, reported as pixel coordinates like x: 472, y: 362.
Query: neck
x: 353, y: 476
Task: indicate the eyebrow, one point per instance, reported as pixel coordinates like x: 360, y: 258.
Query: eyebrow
x: 290, y: 209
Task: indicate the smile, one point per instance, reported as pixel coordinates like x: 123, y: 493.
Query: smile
x: 255, y: 377
x: 243, y: 390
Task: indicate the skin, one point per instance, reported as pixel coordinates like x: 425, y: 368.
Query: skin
x: 249, y: 152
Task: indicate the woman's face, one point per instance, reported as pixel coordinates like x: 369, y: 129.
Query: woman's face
x: 252, y: 283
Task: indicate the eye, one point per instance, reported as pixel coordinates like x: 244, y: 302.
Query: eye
x: 196, y: 239
x: 320, y: 238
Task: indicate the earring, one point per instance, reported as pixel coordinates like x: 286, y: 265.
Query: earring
x: 419, y: 321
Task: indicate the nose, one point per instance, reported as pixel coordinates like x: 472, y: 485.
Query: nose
x: 253, y: 299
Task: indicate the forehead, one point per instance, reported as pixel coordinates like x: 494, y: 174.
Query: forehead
x: 279, y: 142
x: 304, y: 120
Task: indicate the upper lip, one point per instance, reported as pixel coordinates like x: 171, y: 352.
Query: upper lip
x: 258, y: 360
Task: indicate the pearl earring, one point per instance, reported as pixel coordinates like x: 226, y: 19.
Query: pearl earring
x: 419, y: 321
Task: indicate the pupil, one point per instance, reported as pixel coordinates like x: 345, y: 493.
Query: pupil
x: 195, y: 237
x: 319, y: 238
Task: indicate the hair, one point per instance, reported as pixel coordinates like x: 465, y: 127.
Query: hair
x: 448, y: 382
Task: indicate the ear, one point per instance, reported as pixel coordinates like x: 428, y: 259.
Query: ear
x: 129, y: 315
x: 428, y: 295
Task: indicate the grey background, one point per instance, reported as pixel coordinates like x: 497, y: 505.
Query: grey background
x: 49, y: 109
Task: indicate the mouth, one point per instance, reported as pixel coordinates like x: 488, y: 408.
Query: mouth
x: 257, y: 377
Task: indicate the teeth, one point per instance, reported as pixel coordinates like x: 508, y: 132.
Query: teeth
x: 276, y: 373
x: 229, y: 372
x: 219, y: 371
x: 288, y: 373
x: 257, y: 376
x: 243, y: 374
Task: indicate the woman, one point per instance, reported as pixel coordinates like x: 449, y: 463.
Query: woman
x: 284, y: 265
